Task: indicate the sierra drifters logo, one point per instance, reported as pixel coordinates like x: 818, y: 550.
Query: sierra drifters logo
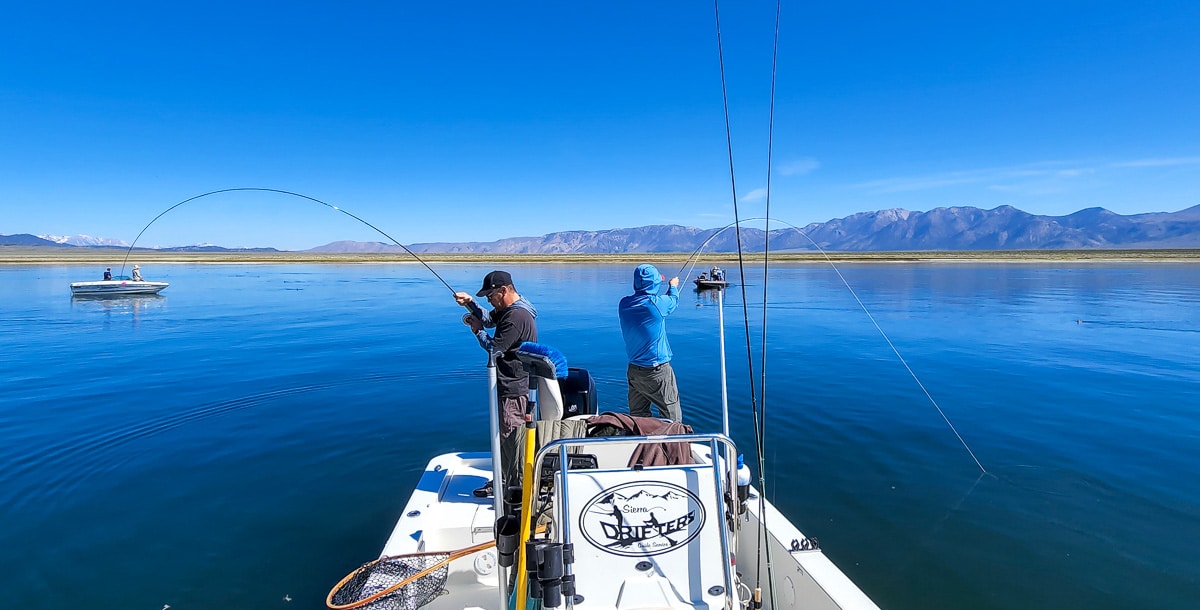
x: 642, y: 519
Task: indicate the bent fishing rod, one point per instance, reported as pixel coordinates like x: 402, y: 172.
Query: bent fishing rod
x: 292, y: 194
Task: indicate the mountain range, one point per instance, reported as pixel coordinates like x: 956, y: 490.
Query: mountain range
x: 952, y: 228
x: 85, y: 241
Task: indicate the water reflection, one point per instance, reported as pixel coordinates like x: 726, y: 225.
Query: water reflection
x: 117, y: 304
x: 707, y: 296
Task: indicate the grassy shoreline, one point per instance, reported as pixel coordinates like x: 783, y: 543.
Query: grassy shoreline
x: 35, y: 255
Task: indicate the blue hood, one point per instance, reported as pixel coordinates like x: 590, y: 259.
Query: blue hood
x: 646, y: 279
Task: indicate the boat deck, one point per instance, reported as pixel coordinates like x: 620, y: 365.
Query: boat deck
x: 443, y: 515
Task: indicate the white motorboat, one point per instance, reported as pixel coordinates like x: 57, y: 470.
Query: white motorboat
x: 119, y: 285
x: 609, y: 533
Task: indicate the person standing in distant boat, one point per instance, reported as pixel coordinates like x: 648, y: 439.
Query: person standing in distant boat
x: 137, y: 275
x: 644, y: 328
x: 107, y: 274
x: 513, y: 319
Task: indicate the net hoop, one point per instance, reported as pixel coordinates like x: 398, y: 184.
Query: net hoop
x: 406, y: 581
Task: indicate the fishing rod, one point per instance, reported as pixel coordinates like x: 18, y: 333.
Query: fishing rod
x: 761, y: 433
x: 745, y: 312
x: 691, y: 259
x: 293, y: 194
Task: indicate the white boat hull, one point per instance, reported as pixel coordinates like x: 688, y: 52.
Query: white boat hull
x: 116, y: 287
x: 444, y: 515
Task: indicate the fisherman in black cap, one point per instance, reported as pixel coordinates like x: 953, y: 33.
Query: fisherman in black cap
x: 484, y: 316
x: 513, y: 318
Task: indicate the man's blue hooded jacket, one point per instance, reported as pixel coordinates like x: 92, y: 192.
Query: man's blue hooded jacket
x: 643, y: 318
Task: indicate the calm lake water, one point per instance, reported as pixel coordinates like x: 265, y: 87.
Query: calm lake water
x: 251, y: 435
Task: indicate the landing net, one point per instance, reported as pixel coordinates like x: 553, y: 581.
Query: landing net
x: 400, y: 582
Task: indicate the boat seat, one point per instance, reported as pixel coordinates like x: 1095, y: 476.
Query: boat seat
x: 548, y: 400
x: 545, y: 365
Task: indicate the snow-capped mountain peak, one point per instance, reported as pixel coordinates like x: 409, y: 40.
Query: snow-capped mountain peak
x: 84, y: 240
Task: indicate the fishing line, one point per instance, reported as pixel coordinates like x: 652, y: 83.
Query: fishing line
x: 1154, y: 325
x: 282, y: 192
x: 690, y: 259
x: 862, y: 305
x: 888, y: 340
x: 927, y: 538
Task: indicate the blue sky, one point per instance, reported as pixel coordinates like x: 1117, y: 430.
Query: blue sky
x: 443, y: 121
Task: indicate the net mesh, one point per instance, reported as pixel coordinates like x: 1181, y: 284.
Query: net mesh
x: 380, y: 575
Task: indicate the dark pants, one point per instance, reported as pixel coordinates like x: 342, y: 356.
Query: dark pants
x: 512, y: 417
x: 653, y: 385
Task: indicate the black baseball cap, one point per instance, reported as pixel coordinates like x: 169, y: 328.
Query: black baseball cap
x: 493, y: 281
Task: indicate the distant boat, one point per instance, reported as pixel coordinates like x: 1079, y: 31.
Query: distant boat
x: 707, y: 284
x: 711, y: 280
x: 117, y: 286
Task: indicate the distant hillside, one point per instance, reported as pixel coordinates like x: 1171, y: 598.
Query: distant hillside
x: 100, y: 243
x: 1002, y: 228
x: 210, y: 248
x: 25, y: 239
x: 955, y: 228
x: 359, y: 247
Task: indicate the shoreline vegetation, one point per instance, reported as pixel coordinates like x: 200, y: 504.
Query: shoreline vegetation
x: 35, y: 255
